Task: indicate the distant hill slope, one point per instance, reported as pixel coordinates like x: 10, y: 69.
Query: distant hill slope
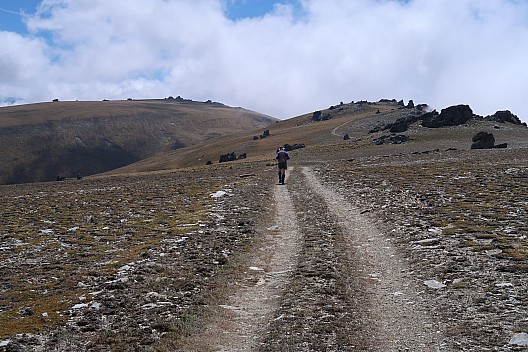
x: 324, y: 138
x: 42, y: 141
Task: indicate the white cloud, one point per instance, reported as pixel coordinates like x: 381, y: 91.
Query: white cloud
x: 285, y: 63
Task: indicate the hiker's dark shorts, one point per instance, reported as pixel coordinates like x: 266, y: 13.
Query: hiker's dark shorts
x: 283, y: 166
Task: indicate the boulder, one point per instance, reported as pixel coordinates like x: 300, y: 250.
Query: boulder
x: 289, y: 148
x: 483, y: 140
x: 451, y: 116
x: 346, y: 137
x: 298, y: 146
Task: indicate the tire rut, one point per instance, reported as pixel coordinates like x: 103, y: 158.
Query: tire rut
x: 395, y: 306
x: 317, y: 313
x: 242, y: 320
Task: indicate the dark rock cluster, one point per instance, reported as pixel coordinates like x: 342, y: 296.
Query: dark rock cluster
x: 231, y: 157
x: 265, y: 134
x: 392, y: 138
x: 289, y: 148
x: 319, y: 116
x: 505, y: 116
x: 451, y: 116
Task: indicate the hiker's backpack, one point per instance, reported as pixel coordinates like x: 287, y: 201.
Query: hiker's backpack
x: 282, y: 157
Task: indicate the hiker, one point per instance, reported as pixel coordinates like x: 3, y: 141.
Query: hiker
x: 282, y: 157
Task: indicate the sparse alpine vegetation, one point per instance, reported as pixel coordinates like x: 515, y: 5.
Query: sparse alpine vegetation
x: 141, y: 258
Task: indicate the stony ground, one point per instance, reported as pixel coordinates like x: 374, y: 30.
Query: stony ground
x: 400, y: 252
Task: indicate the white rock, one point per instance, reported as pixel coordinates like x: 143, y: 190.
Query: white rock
x: 504, y: 284
x: 426, y: 241
x: 218, y: 194
x: 79, y: 306
x: 520, y: 339
x: 434, y: 284
x: 4, y: 343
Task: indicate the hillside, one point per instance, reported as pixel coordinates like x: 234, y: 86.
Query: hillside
x: 324, y: 139
x: 46, y: 140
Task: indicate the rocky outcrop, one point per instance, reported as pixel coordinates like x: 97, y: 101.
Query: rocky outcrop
x: 505, y: 116
x: 319, y: 116
x: 451, y: 116
x: 400, y: 125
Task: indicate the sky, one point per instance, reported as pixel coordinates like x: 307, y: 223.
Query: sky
x: 281, y: 58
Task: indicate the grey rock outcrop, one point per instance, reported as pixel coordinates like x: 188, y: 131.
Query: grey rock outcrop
x: 451, y: 116
x: 505, y: 116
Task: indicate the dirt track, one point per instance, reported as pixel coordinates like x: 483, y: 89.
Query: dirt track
x: 325, y: 278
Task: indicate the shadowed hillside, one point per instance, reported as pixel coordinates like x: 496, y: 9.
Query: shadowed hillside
x: 46, y: 140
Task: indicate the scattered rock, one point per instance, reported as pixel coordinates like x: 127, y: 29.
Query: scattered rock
x: 520, y: 339
x: 231, y: 157
x: 289, y: 148
x: 393, y: 138
x: 434, y: 284
x: 25, y: 312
